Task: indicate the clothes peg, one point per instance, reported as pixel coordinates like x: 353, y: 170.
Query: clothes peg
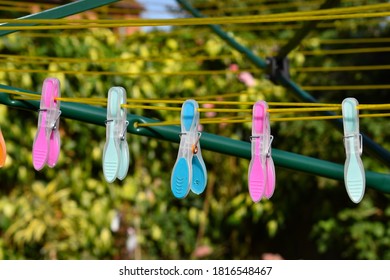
x: 116, y: 156
x: 3, y: 150
x: 261, y: 172
x: 46, y: 146
x: 354, y: 174
x: 189, y: 171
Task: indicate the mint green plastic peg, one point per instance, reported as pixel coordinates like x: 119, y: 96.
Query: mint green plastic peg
x: 354, y: 174
x: 116, y: 157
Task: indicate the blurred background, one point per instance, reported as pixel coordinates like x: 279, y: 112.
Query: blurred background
x: 71, y: 212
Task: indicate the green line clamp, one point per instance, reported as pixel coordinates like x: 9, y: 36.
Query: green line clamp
x: 277, y: 67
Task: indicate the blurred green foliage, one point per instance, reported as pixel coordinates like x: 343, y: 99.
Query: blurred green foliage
x: 70, y: 212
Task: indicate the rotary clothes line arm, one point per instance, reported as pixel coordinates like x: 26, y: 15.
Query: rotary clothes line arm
x: 370, y: 146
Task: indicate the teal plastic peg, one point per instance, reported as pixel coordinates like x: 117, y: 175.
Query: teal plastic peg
x: 354, y: 174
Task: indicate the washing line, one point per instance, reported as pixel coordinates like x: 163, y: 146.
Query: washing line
x: 255, y: 4
x: 139, y: 74
x: 231, y: 120
x: 354, y: 68
x: 181, y: 32
x: 345, y: 87
x: 354, y: 41
x: 44, y: 60
x: 191, y: 73
x: 346, y: 51
x: 326, y: 14
x: 237, y: 28
x: 86, y: 24
x: 294, y: 108
x: 257, y: 7
x: 304, y: 15
x: 47, y: 60
x: 284, y: 26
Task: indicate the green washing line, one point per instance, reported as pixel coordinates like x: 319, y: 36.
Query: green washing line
x: 370, y: 146
x: 208, y: 141
x: 61, y: 11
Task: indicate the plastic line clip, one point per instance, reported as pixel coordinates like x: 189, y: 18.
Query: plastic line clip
x: 47, y: 142
x: 116, y: 156
x: 276, y: 68
x: 261, y: 173
x: 354, y: 174
x: 189, y: 171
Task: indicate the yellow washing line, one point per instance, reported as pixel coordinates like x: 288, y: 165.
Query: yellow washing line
x: 235, y: 110
x: 198, y: 59
x: 103, y: 100
x: 212, y: 3
x: 295, y: 26
x: 342, y: 68
x: 183, y: 22
x: 312, y: 107
x: 51, y: 35
x: 236, y: 119
x: 133, y: 101
x: 264, y: 7
x: 345, y: 87
x: 249, y: 103
x: 316, y: 107
x: 329, y: 11
x: 271, y: 110
x: 252, y: 2
x: 46, y: 59
x: 189, y: 21
x: 346, y: 51
x: 328, y: 41
x: 201, y: 110
x: 354, y: 41
x: 243, y: 120
x: 147, y: 73
x: 340, y: 11
x: 193, y: 73
x: 40, y: 60
x: 262, y: 4
x: 14, y: 92
x: 231, y: 28
x: 373, y: 106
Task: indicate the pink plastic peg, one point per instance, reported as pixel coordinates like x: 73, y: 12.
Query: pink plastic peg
x: 46, y: 147
x: 3, y: 150
x: 261, y: 174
